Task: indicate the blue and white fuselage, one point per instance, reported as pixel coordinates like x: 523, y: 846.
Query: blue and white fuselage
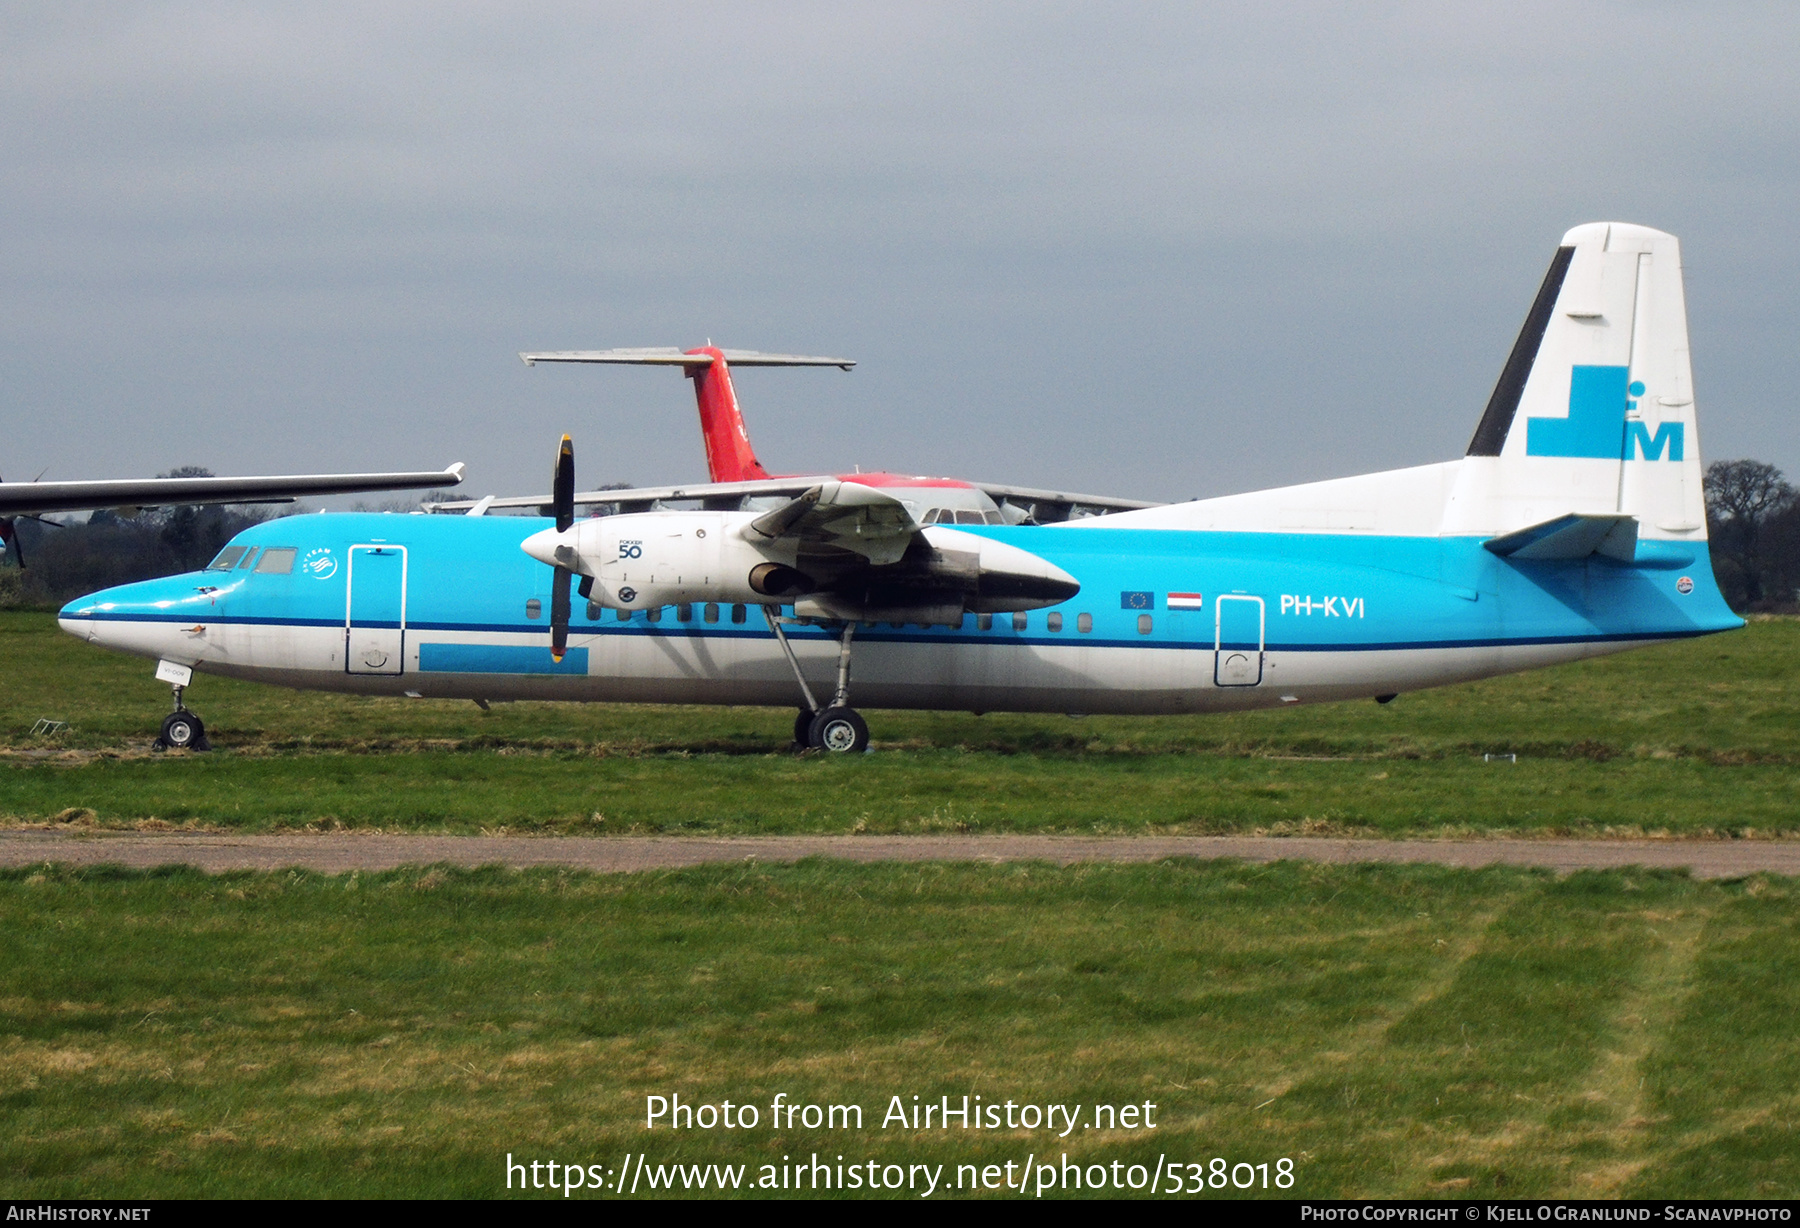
x: 451, y: 607
x: 1574, y: 526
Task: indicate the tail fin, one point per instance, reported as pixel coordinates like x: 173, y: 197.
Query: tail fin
x: 729, y: 457
x: 1594, y: 410
x: 728, y: 454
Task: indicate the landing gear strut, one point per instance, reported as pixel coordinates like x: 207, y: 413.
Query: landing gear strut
x: 181, y: 729
x: 835, y: 727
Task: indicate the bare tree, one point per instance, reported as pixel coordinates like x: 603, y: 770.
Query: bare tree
x: 1743, y: 498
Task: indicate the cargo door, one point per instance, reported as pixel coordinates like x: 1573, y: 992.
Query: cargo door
x: 375, y: 614
x: 1238, y: 640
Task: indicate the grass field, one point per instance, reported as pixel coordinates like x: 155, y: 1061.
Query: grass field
x: 1693, y: 738
x: 1392, y: 1030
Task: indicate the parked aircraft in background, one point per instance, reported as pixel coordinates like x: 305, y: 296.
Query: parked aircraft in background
x: 1574, y: 526
x: 37, y: 499
x: 739, y: 481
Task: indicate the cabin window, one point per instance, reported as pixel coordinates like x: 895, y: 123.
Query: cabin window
x: 1019, y: 622
x: 228, y: 558
x: 684, y: 613
x: 1084, y: 623
x: 712, y: 612
x: 277, y: 561
x: 1054, y: 621
x: 654, y: 614
x: 249, y: 554
x: 1144, y: 624
x: 534, y: 608
x: 739, y: 613
x: 593, y: 611
x: 984, y: 622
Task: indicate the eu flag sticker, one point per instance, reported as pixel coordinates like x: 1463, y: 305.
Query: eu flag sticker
x: 1137, y: 601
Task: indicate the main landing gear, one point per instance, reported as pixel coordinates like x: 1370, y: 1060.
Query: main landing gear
x: 181, y: 729
x: 835, y: 727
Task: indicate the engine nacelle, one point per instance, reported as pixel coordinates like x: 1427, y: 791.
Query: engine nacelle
x: 648, y: 559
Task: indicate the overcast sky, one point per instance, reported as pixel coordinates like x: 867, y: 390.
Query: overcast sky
x: 1160, y: 251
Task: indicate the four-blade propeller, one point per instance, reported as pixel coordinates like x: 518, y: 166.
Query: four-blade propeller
x: 562, y: 500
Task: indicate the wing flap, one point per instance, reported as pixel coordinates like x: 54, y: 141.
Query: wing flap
x: 846, y: 515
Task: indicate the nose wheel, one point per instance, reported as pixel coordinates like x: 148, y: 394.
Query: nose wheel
x: 835, y: 727
x: 181, y: 730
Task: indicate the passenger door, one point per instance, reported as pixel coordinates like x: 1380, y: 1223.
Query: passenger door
x: 375, y: 612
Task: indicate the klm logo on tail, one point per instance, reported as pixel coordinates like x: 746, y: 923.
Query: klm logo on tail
x: 1599, y: 399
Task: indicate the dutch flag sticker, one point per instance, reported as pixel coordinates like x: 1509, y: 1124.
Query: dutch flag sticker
x: 1185, y: 601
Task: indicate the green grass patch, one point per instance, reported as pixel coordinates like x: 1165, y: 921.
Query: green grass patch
x: 1700, y: 737
x: 1395, y: 1031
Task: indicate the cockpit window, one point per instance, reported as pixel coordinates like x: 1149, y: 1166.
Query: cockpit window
x: 276, y: 561
x: 228, y: 558
x: 249, y: 557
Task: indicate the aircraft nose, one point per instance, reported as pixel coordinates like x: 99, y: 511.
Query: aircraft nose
x: 78, y: 618
x: 139, y: 617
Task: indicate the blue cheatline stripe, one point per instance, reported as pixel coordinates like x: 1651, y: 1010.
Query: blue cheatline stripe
x: 997, y: 638
x: 499, y: 659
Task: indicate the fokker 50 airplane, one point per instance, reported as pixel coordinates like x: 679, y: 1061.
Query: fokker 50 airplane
x: 1574, y: 526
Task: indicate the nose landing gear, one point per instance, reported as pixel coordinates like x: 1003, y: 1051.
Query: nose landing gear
x: 181, y: 729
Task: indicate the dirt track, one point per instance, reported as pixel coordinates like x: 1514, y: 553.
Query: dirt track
x: 340, y: 852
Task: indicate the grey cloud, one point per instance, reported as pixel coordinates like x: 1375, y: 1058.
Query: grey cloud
x: 1164, y: 249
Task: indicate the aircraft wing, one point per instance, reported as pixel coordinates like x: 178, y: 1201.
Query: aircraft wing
x: 643, y: 498
x: 39, y: 497
x: 1043, y: 506
x: 1059, y: 501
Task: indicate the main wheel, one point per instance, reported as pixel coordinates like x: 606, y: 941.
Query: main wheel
x: 182, y: 731
x: 803, y: 728
x: 838, y: 730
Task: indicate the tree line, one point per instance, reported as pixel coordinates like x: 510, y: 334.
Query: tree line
x: 1752, y: 519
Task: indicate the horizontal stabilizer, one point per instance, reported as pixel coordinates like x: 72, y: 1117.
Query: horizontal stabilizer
x: 1574, y: 536
x: 669, y: 356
